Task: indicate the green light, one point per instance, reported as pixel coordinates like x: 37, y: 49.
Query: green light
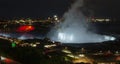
x: 13, y: 45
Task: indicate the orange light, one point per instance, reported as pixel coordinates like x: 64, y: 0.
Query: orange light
x: 25, y: 28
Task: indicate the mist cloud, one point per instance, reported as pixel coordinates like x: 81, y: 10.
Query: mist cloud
x: 75, y: 27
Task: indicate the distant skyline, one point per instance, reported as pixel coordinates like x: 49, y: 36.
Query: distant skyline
x: 45, y: 8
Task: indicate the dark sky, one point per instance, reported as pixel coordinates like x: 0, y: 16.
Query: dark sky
x: 110, y: 8
x: 32, y: 8
x: 45, y: 8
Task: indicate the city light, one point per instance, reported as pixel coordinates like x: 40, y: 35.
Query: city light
x: 49, y: 46
x: 81, y: 55
x: 3, y: 58
x: 34, y: 45
x: 101, y: 20
x: 55, y: 16
x: 70, y: 55
x: 13, y: 45
x: 66, y: 51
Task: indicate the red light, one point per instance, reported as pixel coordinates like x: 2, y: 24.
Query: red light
x: 8, y: 61
x: 25, y: 28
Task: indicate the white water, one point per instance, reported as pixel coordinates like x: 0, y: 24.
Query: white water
x: 74, y: 28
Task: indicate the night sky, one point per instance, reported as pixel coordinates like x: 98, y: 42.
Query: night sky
x: 45, y: 8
